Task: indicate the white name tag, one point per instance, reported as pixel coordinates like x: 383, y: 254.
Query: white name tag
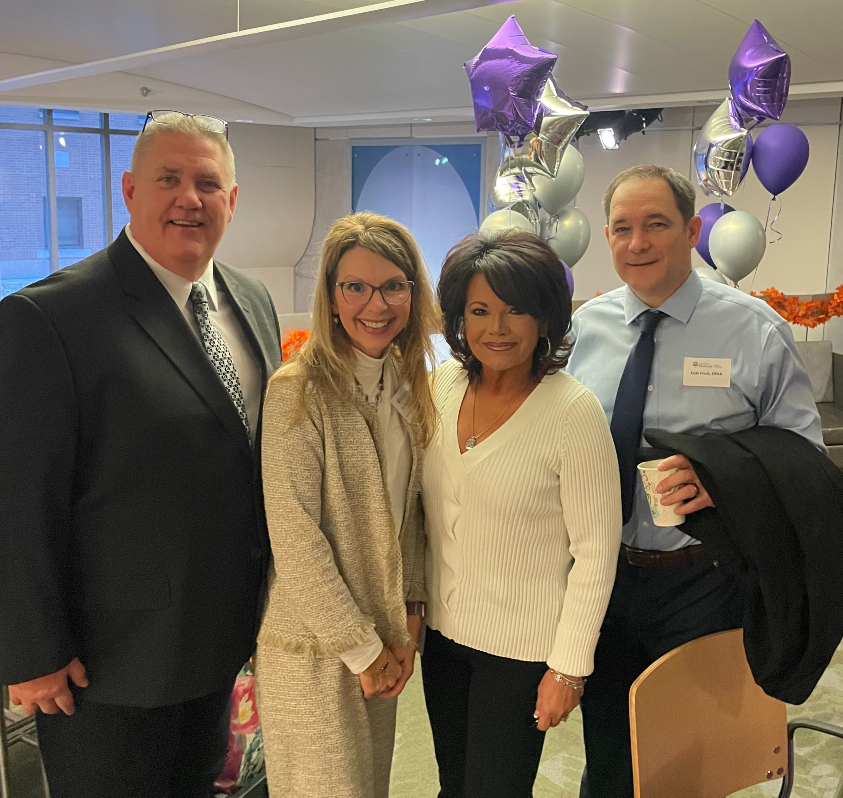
x: 713, y: 372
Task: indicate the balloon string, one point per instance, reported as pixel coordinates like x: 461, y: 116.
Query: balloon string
x: 768, y: 225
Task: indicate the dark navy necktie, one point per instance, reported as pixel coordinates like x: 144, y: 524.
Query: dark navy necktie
x: 628, y: 415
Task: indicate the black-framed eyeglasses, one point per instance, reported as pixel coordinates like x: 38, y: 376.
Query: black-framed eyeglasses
x: 394, y: 292
x: 210, y: 123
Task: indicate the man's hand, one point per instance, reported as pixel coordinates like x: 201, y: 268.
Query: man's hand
x: 554, y: 702
x: 50, y: 694
x: 691, y: 493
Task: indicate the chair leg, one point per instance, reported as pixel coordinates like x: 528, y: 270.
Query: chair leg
x: 804, y: 723
x: 5, y: 787
x: 44, y: 781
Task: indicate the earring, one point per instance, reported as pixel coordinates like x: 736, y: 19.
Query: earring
x: 336, y: 319
x: 547, y: 350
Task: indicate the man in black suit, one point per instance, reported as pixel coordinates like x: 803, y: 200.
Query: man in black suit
x: 133, y: 548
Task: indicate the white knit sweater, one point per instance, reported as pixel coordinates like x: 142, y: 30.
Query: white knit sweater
x: 523, y: 530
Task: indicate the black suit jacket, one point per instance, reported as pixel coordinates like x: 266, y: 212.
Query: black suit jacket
x: 131, y: 523
x: 779, y: 516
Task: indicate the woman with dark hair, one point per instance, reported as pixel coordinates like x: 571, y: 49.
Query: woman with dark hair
x: 523, y: 519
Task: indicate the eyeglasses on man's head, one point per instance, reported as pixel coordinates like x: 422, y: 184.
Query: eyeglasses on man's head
x: 209, y: 123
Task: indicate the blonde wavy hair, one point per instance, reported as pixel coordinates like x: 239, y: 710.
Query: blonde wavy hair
x: 327, y: 357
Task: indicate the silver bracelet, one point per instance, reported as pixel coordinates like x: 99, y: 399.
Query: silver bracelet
x: 577, y: 685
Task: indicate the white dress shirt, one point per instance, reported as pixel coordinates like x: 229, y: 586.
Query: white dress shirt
x: 223, y: 318
x: 398, y: 462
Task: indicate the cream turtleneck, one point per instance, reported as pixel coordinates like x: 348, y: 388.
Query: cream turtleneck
x: 398, y: 461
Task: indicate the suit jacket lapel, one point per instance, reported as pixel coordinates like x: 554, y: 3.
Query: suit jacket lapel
x: 153, y: 308
x: 242, y: 304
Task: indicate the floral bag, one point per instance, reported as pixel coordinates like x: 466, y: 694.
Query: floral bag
x: 244, y: 759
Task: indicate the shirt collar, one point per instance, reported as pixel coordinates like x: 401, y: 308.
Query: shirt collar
x: 177, y: 286
x: 679, y: 305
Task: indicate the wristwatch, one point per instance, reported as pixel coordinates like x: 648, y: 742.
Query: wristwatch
x: 415, y: 608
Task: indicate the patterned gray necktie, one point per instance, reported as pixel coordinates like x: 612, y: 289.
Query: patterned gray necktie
x: 219, y: 353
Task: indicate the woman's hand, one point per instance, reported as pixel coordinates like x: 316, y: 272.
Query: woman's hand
x: 382, y: 675
x: 406, y: 659
x: 555, y: 701
x: 414, y: 628
x: 406, y: 656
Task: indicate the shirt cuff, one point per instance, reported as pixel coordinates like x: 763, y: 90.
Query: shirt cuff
x: 360, y: 657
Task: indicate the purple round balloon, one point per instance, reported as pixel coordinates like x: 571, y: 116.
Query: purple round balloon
x: 507, y: 78
x: 569, y: 276
x: 780, y: 155
x: 709, y: 215
x: 759, y: 76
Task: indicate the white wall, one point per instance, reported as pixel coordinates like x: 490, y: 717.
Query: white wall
x: 275, y: 205
x: 797, y: 264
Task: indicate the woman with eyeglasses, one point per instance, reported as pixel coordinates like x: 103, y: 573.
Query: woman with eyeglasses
x: 344, y: 425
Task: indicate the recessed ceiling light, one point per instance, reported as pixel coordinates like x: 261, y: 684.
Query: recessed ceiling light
x: 423, y: 119
x: 244, y: 120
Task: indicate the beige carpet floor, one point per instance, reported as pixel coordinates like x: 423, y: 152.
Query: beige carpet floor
x: 819, y: 758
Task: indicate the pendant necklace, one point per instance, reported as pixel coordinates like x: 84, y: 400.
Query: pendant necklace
x: 472, y: 441
x: 372, y: 404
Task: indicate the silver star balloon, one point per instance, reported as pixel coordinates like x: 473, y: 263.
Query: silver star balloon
x: 523, y: 161
x: 559, y: 119
x: 528, y: 208
x: 722, y: 152
x: 509, y: 188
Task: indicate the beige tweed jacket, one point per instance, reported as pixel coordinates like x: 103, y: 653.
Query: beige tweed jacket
x: 339, y: 568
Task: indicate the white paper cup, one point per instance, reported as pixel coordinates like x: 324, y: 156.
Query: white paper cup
x: 651, y: 477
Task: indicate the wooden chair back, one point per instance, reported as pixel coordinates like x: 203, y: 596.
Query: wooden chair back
x: 701, y: 727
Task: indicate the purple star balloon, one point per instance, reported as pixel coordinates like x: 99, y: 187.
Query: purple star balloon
x: 507, y: 78
x: 759, y: 77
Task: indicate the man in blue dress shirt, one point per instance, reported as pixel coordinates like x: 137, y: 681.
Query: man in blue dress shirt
x: 667, y: 590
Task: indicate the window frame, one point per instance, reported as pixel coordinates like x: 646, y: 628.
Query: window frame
x: 50, y: 127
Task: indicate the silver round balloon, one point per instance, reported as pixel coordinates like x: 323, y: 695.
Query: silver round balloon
x: 707, y: 273
x: 554, y: 194
x: 573, y: 232
x: 506, y: 219
x: 722, y: 152
x: 737, y: 243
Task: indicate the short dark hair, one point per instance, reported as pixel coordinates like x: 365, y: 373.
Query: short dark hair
x: 526, y: 274
x: 682, y: 188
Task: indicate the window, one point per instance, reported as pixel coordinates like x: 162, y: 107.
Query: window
x: 69, y: 212
x: 432, y: 189
x: 60, y: 187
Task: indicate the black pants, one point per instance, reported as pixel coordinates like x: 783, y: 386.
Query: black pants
x: 481, y: 714
x: 651, y: 612
x: 106, y: 751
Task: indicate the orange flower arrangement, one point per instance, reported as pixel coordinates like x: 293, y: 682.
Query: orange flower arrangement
x: 804, y: 312
x: 293, y: 342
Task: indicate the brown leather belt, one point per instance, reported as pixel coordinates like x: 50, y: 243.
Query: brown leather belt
x: 649, y: 558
